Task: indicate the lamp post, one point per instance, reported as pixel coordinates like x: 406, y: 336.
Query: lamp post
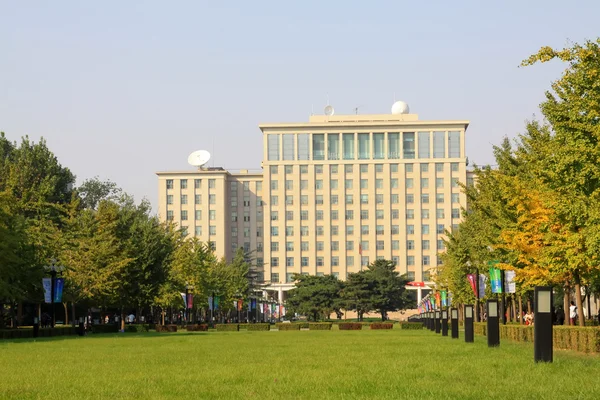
x: 454, y: 322
x: 469, y: 323
x: 542, y: 334
x: 493, y: 324
x: 53, y: 268
x: 444, y: 322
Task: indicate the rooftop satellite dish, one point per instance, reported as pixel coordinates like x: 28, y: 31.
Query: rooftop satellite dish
x: 329, y: 111
x: 400, y: 107
x: 198, y: 158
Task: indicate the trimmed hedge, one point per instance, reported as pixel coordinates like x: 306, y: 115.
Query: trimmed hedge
x: 517, y: 333
x: 380, y: 325
x: 227, y: 327
x: 411, y: 325
x: 480, y: 328
x: 302, y: 325
x: 319, y: 326
x: 197, y: 328
x: 259, y: 327
x: 287, y: 327
x: 166, y: 328
x: 108, y: 328
x: 350, y: 326
x: 134, y: 328
x: 17, y: 333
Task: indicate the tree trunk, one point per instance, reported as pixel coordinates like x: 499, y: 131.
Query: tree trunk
x: 73, y: 316
x: 589, y: 304
x: 566, y: 304
x: 528, y: 305
x: 163, y: 317
x: 579, y: 302
x: 66, y: 314
x: 520, y: 310
x: 514, y: 308
x: 122, y: 320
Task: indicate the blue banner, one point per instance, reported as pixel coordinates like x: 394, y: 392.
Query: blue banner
x: 253, y: 304
x: 59, y: 285
x: 210, y: 303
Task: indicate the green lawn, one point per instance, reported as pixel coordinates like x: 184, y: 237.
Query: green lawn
x: 288, y: 365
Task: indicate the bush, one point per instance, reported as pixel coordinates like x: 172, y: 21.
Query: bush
x: 166, y: 328
x: 259, y: 327
x: 108, y: 328
x: 320, y: 326
x: 137, y: 328
x: 16, y: 333
x: 583, y: 339
x: 302, y: 325
x: 411, y: 325
x: 480, y: 328
x: 287, y: 327
x: 350, y: 326
x: 379, y: 325
x: 517, y: 333
x: 197, y: 328
x: 227, y: 327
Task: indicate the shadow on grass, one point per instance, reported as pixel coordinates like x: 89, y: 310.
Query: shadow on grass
x: 94, y: 336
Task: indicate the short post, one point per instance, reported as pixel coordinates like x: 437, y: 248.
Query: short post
x: 81, y: 330
x: 36, y: 327
x: 444, y: 322
x: 454, y: 322
x: 493, y: 324
x: 469, y: 323
x: 542, y: 329
x: 438, y: 325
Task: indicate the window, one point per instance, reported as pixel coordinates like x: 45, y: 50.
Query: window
x: 335, y: 261
x: 274, y: 246
x: 289, y: 215
x: 318, y: 146
x: 212, y: 230
x: 234, y: 202
x: 394, y: 145
x: 320, y: 246
x: 349, y: 230
x: 426, y: 276
x: 395, y: 229
x: 350, y: 261
x: 304, y: 246
x: 424, y: 145
x: 198, y: 231
x: 364, y: 214
x: 439, y: 213
x: 395, y: 260
x: 198, y: 199
x: 303, y: 184
x: 349, y: 168
x: 349, y: 199
x: 169, y: 183
x: 349, y: 245
x: 334, y: 199
x: 334, y: 230
x: 198, y: 215
x: 197, y: 183
x: 320, y: 231
x: 378, y: 146
x: 289, y: 185
x: 453, y: 144
x: 332, y: 183
x: 364, y: 229
x: 169, y: 199
x: 274, y: 185
x: 247, y: 234
x: 304, y: 261
x: 378, y: 168
x: 364, y: 199
x: 320, y: 261
x: 379, y: 183
x: 212, y: 199
x: 318, y: 169
x: 184, y: 230
x: 364, y: 261
x: 409, y: 182
x: 274, y: 215
x: 303, y: 215
x: 184, y: 215
x: 304, y: 231
x: 348, y: 184
x: 410, y: 244
x: 289, y: 231
x: 334, y: 215
x: 184, y: 199
x: 424, y: 167
x: 364, y: 152
x: 410, y: 213
x: 410, y: 260
x: 349, y: 215
x: 379, y: 230
x: 425, y: 229
x: 212, y: 215
x: 275, y: 261
x: 335, y: 246
x: 424, y: 198
x: 425, y: 213
x: 440, y: 229
x: 319, y: 215
x: 379, y: 198
x: 454, y: 182
x: 425, y: 262
x: 212, y: 183
x: 289, y: 200
x: 273, y: 169
x: 440, y: 244
x: 234, y: 232
x: 364, y: 183
x: 288, y: 147
x: 408, y: 142
x: 439, y: 183
x: 395, y: 245
x: 289, y: 261
x: 274, y: 231
x: 455, y: 197
x: 439, y: 147
x: 379, y: 214
x: 425, y: 244
x: 454, y: 167
x: 273, y: 147
x: 395, y: 199
x: 410, y: 198
x: 304, y: 169
x: 348, y: 146
x: 409, y: 167
x: 183, y: 184
x: 424, y: 183
x: 410, y: 229
x: 333, y: 146
x: 319, y: 199
x: 395, y: 213
x: 455, y: 213
x: 333, y: 169
x: 439, y: 167
x: 439, y: 198
x: 393, y: 168
x: 303, y: 199
x: 169, y: 215
x: 274, y: 277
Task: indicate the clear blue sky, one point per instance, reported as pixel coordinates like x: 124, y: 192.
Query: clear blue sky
x: 121, y: 89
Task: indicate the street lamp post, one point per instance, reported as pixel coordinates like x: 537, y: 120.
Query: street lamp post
x: 53, y: 268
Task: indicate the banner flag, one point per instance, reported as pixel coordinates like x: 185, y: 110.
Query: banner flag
x: 444, y: 298
x: 183, y: 297
x: 216, y: 302
x: 253, y: 304
x: 240, y: 305
x: 47, y: 284
x: 449, y: 298
x: 473, y: 283
x: 496, y: 280
x: 432, y: 303
x: 482, y: 279
x: 190, y: 299
x: 210, y: 303
x: 509, y: 277
x: 438, y: 299
x: 59, y: 285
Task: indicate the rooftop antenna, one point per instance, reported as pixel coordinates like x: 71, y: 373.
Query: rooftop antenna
x: 356, y: 109
x: 199, y: 158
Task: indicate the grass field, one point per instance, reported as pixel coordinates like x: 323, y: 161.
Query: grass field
x: 391, y: 364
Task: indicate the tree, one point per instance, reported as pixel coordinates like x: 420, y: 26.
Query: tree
x: 314, y: 295
x: 357, y: 293
x: 92, y: 191
x: 388, y: 288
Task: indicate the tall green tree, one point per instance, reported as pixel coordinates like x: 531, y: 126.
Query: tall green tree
x: 389, y: 288
x: 315, y: 296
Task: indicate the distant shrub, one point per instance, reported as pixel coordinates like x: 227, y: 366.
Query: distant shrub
x: 106, y: 328
x: 302, y: 325
x: 137, y: 328
x: 166, y: 328
x: 258, y: 327
x: 379, y: 325
x: 350, y: 326
x: 320, y: 326
x: 480, y: 328
x: 288, y: 327
x: 197, y: 328
x: 227, y: 327
x: 411, y: 325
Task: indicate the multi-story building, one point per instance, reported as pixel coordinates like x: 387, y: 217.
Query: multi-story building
x: 335, y: 194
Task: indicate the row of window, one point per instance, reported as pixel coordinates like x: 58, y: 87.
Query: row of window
x: 364, y: 230
x: 364, y: 184
x: 362, y: 146
x: 335, y: 261
x: 289, y: 276
x: 349, y: 168
x: 364, y: 199
x: 363, y: 245
x: 364, y: 214
x: 183, y: 183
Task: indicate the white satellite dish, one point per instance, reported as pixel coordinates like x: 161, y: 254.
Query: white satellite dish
x: 329, y: 111
x: 400, y: 107
x: 199, y: 158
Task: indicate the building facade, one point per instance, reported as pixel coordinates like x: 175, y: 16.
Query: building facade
x: 335, y: 194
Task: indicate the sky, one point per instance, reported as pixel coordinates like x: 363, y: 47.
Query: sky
x: 123, y: 89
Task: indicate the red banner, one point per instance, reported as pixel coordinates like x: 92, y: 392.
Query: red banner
x: 473, y: 282
x: 438, y: 301
x: 419, y: 284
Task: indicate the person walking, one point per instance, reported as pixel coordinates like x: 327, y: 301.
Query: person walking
x: 573, y: 313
